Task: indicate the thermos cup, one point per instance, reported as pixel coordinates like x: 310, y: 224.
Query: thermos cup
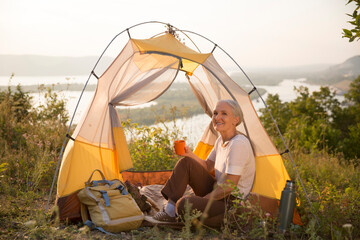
x: 287, y: 205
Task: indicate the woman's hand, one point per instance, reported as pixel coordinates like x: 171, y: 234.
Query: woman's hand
x: 207, y: 164
x: 188, y: 153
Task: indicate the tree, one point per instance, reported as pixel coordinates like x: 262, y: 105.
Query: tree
x: 353, y: 33
x: 280, y: 112
x: 307, y: 122
x: 311, y: 125
x: 349, y: 114
x: 348, y: 120
x: 354, y: 94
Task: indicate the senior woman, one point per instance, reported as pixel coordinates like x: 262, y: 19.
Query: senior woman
x: 232, y: 159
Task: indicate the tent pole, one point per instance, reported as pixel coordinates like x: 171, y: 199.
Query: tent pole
x: 282, y: 138
x: 232, y: 96
x: 67, y: 133
x: 64, y: 142
x: 289, y: 153
x: 183, y: 31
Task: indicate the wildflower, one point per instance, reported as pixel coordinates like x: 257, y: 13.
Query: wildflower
x: 267, y: 214
x: 347, y: 225
x: 30, y: 224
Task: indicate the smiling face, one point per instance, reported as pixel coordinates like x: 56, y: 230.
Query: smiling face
x: 223, y: 119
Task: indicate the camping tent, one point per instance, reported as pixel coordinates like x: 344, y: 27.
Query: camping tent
x: 142, y: 72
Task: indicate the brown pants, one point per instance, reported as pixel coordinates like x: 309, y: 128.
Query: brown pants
x: 188, y: 171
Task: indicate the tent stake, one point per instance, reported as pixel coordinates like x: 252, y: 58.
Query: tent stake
x: 282, y: 138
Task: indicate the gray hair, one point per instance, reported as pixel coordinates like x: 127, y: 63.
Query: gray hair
x: 236, y: 109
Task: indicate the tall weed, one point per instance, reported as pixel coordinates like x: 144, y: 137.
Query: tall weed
x: 332, y: 185
x: 31, y: 139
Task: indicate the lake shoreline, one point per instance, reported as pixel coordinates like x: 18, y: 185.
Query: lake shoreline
x: 71, y: 93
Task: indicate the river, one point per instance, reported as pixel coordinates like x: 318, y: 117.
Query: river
x: 192, y: 127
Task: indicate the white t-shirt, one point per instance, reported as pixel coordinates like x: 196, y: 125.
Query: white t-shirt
x: 237, y: 158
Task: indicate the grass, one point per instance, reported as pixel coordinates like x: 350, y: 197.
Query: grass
x: 31, y: 140
x: 333, y: 189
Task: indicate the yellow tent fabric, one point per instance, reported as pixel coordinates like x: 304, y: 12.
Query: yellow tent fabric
x: 142, y: 72
x: 270, y: 175
x: 167, y: 44
x: 84, y: 157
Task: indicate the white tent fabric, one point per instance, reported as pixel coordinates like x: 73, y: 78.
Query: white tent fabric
x: 141, y: 73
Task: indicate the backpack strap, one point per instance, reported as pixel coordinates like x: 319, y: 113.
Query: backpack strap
x: 105, y: 197
x: 96, y: 183
x: 96, y: 170
x: 92, y: 226
x: 122, y: 189
x: 86, y: 220
x: 84, y: 212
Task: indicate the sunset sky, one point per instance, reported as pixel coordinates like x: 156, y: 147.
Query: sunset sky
x: 260, y: 33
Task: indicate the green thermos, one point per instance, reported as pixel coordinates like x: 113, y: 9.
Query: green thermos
x: 287, y: 205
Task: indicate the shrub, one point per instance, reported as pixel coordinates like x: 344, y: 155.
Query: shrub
x: 151, y: 148
x: 313, y: 122
x: 31, y: 138
x: 333, y: 188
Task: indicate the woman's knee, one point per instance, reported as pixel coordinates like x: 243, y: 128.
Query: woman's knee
x: 184, y: 162
x: 181, y: 204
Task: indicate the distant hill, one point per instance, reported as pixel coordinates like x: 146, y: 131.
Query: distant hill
x: 346, y: 71
x: 273, y: 76
x: 342, y: 87
x: 35, y: 65
x: 322, y: 74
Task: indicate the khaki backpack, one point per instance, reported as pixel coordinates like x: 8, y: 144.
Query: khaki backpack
x: 110, y: 206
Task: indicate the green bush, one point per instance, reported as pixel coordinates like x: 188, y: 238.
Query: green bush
x: 31, y: 139
x: 317, y: 121
x: 151, y: 148
x: 332, y: 185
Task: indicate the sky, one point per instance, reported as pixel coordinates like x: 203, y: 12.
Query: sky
x: 262, y: 33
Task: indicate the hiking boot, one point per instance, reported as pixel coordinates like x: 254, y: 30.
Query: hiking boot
x: 139, y: 198
x: 164, y: 217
